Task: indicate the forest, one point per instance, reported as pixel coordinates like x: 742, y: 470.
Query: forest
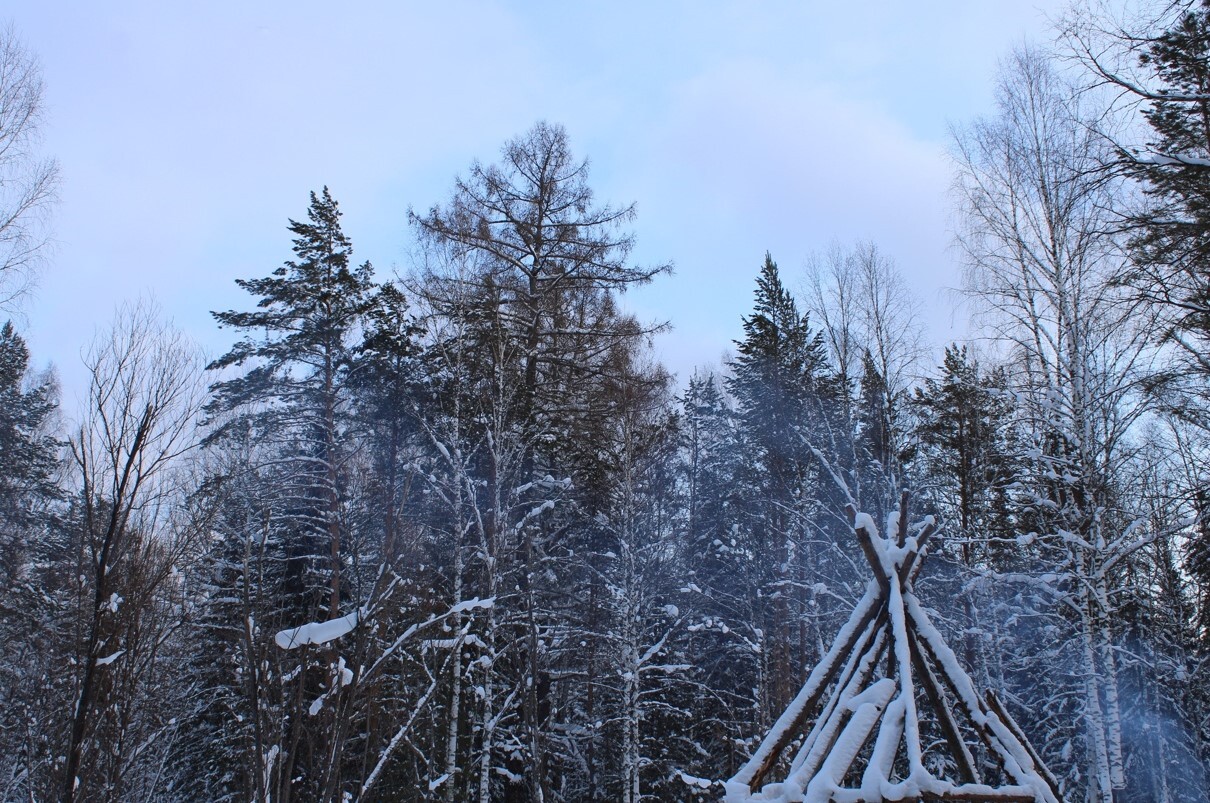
x: 456, y: 534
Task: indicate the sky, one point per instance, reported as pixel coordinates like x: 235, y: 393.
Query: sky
x: 187, y: 137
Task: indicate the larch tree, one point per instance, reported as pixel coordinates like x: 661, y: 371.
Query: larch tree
x: 538, y: 264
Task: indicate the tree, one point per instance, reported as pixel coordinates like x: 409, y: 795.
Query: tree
x: 1157, y: 63
x: 1037, y: 237
x: 31, y: 569
x: 1171, y: 266
x: 968, y: 459
x: 143, y: 397
x: 299, y: 394
x: 869, y: 320
x: 543, y: 245
x: 963, y: 428
x: 27, y: 182
x: 28, y: 450
x: 527, y: 268
x: 779, y: 383
x: 311, y: 309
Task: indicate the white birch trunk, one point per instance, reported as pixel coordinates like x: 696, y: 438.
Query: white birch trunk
x: 1100, y: 786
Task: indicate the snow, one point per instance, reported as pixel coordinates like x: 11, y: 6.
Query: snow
x: 864, y: 521
x: 1164, y: 159
x: 467, y: 640
x: 818, y: 678
x: 472, y: 604
x: 319, y: 632
x: 691, y: 780
x: 109, y: 659
x: 867, y: 708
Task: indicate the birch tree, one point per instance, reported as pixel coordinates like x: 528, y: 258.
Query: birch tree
x: 28, y: 181
x: 1036, y: 237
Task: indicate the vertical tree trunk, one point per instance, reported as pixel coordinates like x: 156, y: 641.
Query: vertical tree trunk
x: 1100, y: 784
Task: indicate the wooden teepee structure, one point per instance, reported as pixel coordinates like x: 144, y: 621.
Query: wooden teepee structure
x: 867, y: 741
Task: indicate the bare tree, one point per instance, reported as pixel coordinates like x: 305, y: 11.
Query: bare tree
x: 143, y: 395
x: 1151, y: 59
x: 870, y: 321
x: 27, y: 182
x: 1038, y: 237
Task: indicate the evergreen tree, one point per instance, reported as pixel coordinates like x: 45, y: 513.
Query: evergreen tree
x: 34, y: 570
x: 718, y: 562
x: 779, y: 381
x: 1172, y: 247
x: 964, y: 438
x: 302, y: 348
x: 297, y: 396
x: 28, y: 450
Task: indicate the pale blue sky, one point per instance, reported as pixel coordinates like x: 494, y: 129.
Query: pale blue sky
x: 187, y: 138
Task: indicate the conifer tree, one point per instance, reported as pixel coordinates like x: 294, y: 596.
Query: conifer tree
x: 296, y: 398
x: 529, y: 269
x: 1172, y: 247
x: 778, y: 380
x: 33, y: 571
x: 964, y: 439
x: 28, y: 451
x: 300, y: 344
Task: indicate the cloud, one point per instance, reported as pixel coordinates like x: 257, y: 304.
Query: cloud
x: 749, y: 158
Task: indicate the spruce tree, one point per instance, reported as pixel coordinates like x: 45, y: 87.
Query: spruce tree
x: 778, y: 381
x: 965, y: 450
x: 36, y: 573
x: 28, y: 451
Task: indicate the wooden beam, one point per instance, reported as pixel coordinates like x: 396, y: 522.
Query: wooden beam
x: 993, y: 702
x: 903, y: 518
x: 836, y: 659
x: 985, y: 732
x: 839, y: 715
x: 945, y: 717
x: 871, y: 555
x: 915, y: 560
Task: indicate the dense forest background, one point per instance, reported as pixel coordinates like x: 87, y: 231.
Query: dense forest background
x: 457, y: 535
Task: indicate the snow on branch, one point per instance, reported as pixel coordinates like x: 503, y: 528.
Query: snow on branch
x: 1174, y: 159
x: 319, y: 632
